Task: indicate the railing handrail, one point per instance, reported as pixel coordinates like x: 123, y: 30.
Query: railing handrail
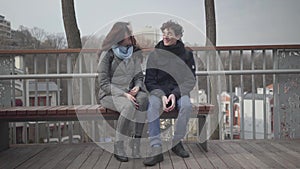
x: 198, y: 73
x: 194, y: 48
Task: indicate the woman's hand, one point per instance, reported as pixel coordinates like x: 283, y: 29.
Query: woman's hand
x: 132, y: 99
x: 134, y: 91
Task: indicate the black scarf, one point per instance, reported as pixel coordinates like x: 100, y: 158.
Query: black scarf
x: 178, y: 49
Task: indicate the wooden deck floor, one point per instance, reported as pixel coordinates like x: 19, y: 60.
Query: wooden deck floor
x: 222, y: 154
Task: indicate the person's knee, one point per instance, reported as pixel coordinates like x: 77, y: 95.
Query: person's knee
x: 142, y: 100
x: 154, y: 101
x: 185, y: 104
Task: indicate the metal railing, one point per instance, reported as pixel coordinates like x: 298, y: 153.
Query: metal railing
x: 220, y: 70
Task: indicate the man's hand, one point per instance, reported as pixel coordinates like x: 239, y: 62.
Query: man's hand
x: 171, y: 99
x: 134, y: 91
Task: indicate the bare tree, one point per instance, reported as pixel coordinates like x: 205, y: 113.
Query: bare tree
x: 56, y: 41
x: 38, y: 33
x: 70, y: 24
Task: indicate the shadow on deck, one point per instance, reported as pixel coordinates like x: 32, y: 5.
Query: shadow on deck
x: 221, y: 154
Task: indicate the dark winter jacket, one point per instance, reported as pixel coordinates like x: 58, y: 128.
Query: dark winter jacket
x: 170, y: 70
x: 117, y: 77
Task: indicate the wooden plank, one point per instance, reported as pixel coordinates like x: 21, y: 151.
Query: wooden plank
x: 191, y: 161
x: 92, y: 158
x: 3, y: 111
x: 32, y: 111
x: 177, y: 161
x: 262, y: 154
x: 53, y: 110
x: 42, y: 158
x: 4, y: 155
x: 13, y: 157
x: 167, y: 163
x: 216, y: 161
x: 57, y: 158
x: 42, y: 110
x: 103, y: 160
x: 225, y: 145
x: 12, y: 111
x: 291, y: 145
x: 290, y: 157
x: 282, y: 157
x: 68, y: 112
x: 75, y: 151
x: 288, y: 150
x: 199, y: 155
x: 62, y: 111
x: 229, y: 161
x: 113, y: 163
x: 132, y: 164
x: 23, y: 156
x: 251, y: 158
x: 79, y: 160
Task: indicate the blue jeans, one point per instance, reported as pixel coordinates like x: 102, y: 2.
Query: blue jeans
x: 153, y: 113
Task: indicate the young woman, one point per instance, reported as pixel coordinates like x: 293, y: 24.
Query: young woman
x: 121, y: 83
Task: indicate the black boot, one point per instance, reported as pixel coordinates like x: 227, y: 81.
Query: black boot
x: 156, y: 156
x: 180, y: 151
x: 119, y: 151
x: 136, y: 141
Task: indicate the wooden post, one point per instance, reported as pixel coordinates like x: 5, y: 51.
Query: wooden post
x: 4, y: 135
x: 202, y: 132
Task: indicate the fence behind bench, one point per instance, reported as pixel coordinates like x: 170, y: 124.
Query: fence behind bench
x: 242, y: 67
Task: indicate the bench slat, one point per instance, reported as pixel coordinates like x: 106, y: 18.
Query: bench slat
x: 78, y: 111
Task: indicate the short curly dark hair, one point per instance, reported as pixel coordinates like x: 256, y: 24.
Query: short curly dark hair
x: 177, y: 28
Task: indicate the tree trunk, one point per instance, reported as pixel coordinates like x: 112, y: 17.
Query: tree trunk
x: 212, y: 80
x: 70, y: 24
x: 210, y: 22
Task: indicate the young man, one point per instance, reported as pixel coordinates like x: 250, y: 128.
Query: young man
x: 170, y: 76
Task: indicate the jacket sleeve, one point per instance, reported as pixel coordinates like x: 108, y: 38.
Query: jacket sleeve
x: 138, y: 79
x: 151, y: 78
x: 104, y: 76
x: 189, y: 77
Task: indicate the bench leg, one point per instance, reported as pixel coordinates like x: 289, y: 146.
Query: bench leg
x: 4, y: 135
x: 203, y: 135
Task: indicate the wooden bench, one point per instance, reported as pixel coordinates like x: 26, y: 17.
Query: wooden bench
x: 84, y: 112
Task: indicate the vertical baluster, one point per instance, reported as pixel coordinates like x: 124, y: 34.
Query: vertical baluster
x: 35, y: 67
x: 253, y: 96
x: 58, y: 80
x: 13, y: 83
x: 47, y: 80
x: 208, y: 78
x: 69, y: 82
x: 276, y: 116
x: 231, y: 112
x: 221, y: 115
x: 69, y: 87
x: 80, y: 80
x: 92, y: 80
x: 264, y: 95
x: 242, y: 122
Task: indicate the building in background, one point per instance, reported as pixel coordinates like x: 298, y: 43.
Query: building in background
x: 248, y: 100
x: 5, y: 28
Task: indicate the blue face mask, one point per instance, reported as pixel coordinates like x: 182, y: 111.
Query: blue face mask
x: 122, y: 52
